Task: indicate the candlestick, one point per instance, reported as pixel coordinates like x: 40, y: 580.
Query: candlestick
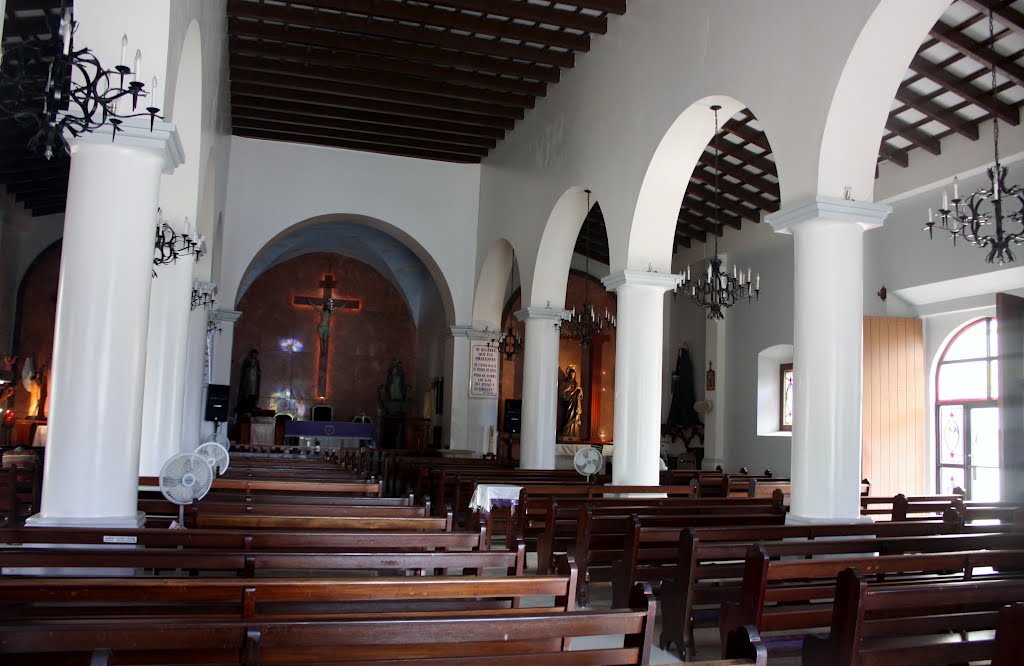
x: 124, y: 49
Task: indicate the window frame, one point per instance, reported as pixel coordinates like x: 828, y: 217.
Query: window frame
x: 783, y: 369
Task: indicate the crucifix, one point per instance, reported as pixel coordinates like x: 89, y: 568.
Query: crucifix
x: 327, y: 305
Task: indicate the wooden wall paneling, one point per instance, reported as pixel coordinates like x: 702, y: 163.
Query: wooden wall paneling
x: 893, y: 454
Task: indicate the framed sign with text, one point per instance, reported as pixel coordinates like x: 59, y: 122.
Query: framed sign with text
x: 483, y: 371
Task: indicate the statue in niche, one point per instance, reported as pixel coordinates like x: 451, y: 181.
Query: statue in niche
x: 571, y: 396
x: 393, y: 394
x: 249, y: 382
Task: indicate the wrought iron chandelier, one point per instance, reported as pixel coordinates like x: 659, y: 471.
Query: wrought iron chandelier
x: 966, y: 218
x: 585, y: 325
x: 170, y: 246
x: 203, y: 294
x: 717, y: 289
x: 76, y: 96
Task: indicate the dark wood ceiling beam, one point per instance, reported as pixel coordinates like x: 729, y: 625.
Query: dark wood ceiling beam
x: 314, y: 111
x: 443, y: 18
x: 1006, y: 14
x: 747, y: 156
x: 40, y: 180
x: 359, y: 103
x: 706, y: 194
x: 707, y: 212
x: 957, y: 40
x: 963, y: 87
x: 273, y: 42
x: 748, y: 134
x: 913, y: 135
x: 432, y: 103
x: 703, y: 225
x: 374, y: 147
x: 383, y: 136
x: 938, y: 113
x: 52, y: 210
x: 681, y: 240
x: 548, y: 15
x: 28, y: 165
x: 330, y: 68
x: 276, y: 118
x: 894, y: 154
x: 333, y: 24
x: 752, y: 199
x: 766, y: 186
x: 610, y: 6
x: 46, y: 202
x: 690, y: 226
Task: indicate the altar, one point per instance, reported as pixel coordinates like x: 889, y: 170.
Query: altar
x: 331, y: 435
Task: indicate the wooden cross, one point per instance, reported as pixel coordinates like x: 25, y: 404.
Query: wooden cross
x: 326, y: 306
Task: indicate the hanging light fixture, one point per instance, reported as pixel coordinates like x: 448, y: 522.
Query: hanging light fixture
x: 715, y: 289
x: 968, y: 219
x: 170, y: 245
x: 78, y: 94
x: 585, y: 325
x: 509, y: 342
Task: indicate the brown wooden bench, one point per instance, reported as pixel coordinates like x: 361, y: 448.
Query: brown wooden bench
x: 252, y: 540
x: 282, y: 522
x: 498, y: 637
x: 261, y: 563
x: 791, y: 598
x: 1009, y: 646
x: 901, y: 507
x: 909, y: 625
x: 709, y: 568
x: 252, y: 486
x: 601, y: 533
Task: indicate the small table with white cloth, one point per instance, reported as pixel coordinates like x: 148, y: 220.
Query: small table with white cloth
x: 490, y: 496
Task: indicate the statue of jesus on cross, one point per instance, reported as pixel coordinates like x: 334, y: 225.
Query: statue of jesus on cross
x: 327, y: 305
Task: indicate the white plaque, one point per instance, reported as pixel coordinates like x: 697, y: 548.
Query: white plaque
x: 483, y: 371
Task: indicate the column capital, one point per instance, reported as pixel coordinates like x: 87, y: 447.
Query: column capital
x: 662, y: 281
x: 532, y: 312
x: 865, y: 214
x: 468, y: 331
x: 135, y: 133
x: 229, y: 316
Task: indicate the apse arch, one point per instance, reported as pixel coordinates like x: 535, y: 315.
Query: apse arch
x: 316, y: 234
x: 489, y: 299
x: 864, y: 94
x: 662, y: 190
x: 557, y: 244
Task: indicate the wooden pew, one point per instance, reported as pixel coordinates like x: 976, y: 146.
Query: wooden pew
x: 1009, y: 646
x: 792, y: 597
x: 253, y: 486
x: 601, y: 535
x: 709, y: 568
x: 252, y: 540
x: 901, y: 507
x: 10, y: 505
x: 252, y: 563
x: 909, y: 625
x: 288, y: 522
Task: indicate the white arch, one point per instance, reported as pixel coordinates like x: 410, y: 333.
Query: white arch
x: 864, y: 94
x: 443, y: 289
x: 661, y: 193
x: 554, y: 256
x: 489, y: 299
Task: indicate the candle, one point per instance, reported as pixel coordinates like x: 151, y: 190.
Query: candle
x: 687, y: 271
x: 748, y: 276
x: 956, y: 189
x: 152, y: 92
x: 757, y: 285
x: 930, y: 216
x: 124, y: 49
x: 945, y: 200
x: 709, y: 270
x: 138, y: 65
x: 65, y: 30
x: 734, y: 271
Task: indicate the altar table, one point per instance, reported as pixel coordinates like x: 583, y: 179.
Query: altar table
x: 331, y: 434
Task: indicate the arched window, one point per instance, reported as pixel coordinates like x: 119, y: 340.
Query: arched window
x: 967, y: 413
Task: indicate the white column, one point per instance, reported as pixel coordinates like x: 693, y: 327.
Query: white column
x: 163, y: 398
x: 192, y: 433
x: 99, y: 351
x: 828, y: 311
x: 481, y: 413
x: 640, y: 308
x: 540, y: 387
x: 714, y: 421
x: 223, y: 341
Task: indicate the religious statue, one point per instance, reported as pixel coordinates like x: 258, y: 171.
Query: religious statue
x: 680, y: 411
x: 571, y: 396
x: 393, y: 393
x: 249, y: 382
x: 323, y: 329
x: 40, y: 385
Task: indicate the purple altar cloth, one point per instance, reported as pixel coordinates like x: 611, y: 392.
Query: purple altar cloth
x: 344, y: 429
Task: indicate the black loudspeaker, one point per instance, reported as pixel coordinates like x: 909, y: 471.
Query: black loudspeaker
x: 512, y: 421
x: 217, y: 402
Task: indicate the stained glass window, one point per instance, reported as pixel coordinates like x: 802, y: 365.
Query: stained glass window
x: 786, y: 396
